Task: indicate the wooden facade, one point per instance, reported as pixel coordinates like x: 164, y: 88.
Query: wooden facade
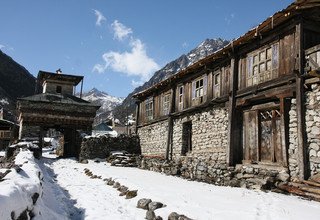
x: 255, y: 77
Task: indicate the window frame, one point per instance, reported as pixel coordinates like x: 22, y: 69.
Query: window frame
x: 149, y: 105
x: 199, y: 88
x: 180, y: 97
x: 166, y: 103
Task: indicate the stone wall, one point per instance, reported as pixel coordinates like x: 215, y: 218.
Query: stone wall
x: 293, y: 141
x: 100, y: 147
x: 153, y: 138
x: 313, y: 127
x: 29, y: 131
x: 209, y: 134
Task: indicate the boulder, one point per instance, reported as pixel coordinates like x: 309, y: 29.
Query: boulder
x: 143, y: 203
x: 155, y: 205
x: 150, y: 215
x: 131, y: 194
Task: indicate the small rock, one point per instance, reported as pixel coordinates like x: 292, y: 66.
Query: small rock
x: 159, y: 218
x: 123, y: 189
x: 150, y: 215
x: 155, y: 205
x: 116, y: 185
x: 283, y: 176
x: 143, y: 203
x: 131, y: 194
x: 173, y: 216
x: 34, y: 198
x: 84, y: 161
x: 110, y: 183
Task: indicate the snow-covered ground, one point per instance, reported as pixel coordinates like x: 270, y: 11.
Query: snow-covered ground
x: 196, y: 200
x: 69, y: 193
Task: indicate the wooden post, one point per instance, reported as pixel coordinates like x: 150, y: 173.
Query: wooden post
x: 300, y: 101
x: 137, y: 116
x: 169, y: 150
x: 232, y: 111
x: 81, y: 88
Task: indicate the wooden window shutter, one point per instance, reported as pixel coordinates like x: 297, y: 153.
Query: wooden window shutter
x: 205, y: 83
x: 275, y: 56
x: 193, y: 89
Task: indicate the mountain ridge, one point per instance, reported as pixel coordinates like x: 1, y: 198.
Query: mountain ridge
x: 15, y: 82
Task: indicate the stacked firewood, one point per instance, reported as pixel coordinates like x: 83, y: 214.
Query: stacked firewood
x: 309, y: 189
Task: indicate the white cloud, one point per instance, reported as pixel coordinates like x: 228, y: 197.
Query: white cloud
x: 120, y: 30
x: 229, y: 18
x: 132, y: 63
x: 2, y: 46
x: 185, y: 45
x: 100, y: 17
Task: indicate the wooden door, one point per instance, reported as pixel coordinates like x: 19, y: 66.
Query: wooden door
x: 270, y: 136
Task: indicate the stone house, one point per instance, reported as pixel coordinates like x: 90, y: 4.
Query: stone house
x: 250, y: 110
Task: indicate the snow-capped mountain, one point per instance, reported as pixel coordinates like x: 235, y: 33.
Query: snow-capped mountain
x: 107, y: 102
x: 204, y: 49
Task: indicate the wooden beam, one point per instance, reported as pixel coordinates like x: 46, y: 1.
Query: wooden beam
x: 137, y: 116
x: 300, y: 102
x: 169, y: 150
x: 232, y: 111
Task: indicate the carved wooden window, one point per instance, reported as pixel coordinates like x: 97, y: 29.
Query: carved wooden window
x: 149, y: 108
x: 165, y: 104
x: 216, y: 84
x: 180, y: 97
x: 262, y: 65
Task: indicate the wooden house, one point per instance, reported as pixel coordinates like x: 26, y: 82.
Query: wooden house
x: 57, y: 108
x: 255, y: 103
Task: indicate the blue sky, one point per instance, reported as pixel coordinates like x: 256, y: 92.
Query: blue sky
x: 118, y: 44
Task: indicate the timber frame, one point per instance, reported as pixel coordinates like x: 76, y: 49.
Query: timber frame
x: 277, y: 50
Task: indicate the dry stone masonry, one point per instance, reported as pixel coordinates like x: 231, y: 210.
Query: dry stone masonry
x: 153, y: 138
x: 313, y: 127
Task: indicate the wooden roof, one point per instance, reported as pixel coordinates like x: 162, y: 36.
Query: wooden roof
x: 43, y: 75
x: 267, y: 25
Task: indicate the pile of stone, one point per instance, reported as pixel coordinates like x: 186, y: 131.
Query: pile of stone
x: 124, y: 190
x: 150, y: 206
x: 123, y: 159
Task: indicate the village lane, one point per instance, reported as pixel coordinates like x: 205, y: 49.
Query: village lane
x: 87, y: 198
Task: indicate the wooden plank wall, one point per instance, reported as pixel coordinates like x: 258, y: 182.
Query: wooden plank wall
x: 287, y: 55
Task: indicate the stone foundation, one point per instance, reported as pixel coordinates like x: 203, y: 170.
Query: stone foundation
x: 205, y: 169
